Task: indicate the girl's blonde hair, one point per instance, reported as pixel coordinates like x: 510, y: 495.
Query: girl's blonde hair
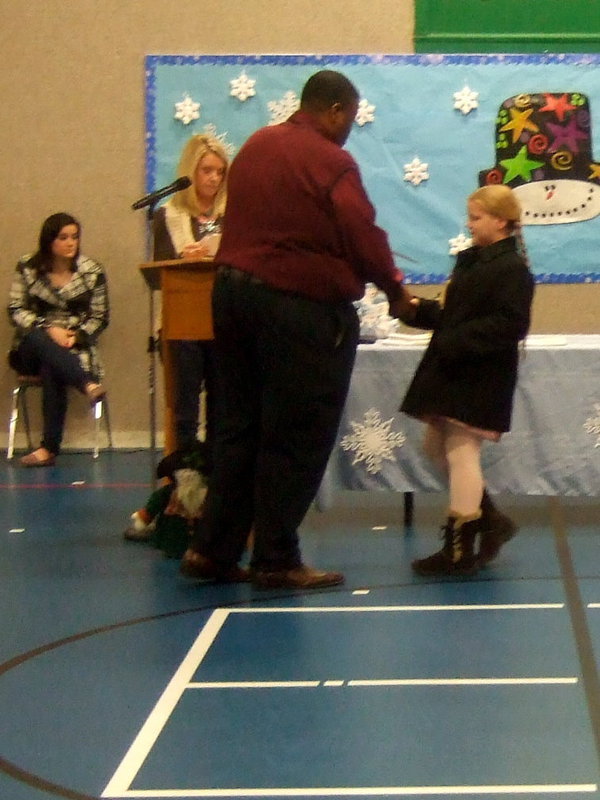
x: 501, y: 202
x: 198, y: 146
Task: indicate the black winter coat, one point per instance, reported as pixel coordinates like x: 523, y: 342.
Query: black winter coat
x: 469, y: 369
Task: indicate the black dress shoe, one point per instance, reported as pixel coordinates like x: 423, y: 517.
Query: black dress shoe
x: 195, y: 565
x: 301, y: 577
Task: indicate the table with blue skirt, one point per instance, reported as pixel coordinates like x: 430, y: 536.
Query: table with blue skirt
x: 553, y: 447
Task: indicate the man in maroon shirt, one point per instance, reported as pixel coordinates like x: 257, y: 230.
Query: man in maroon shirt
x: 299, y: 242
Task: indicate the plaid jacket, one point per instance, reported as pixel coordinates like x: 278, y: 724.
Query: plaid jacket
x: 82, y: 305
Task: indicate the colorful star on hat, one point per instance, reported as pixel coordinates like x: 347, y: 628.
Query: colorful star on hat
x: 595, y: 173
x: 520, y: 122
x: 520, y: 166
x: 557, y: 104
x: 566, y: 134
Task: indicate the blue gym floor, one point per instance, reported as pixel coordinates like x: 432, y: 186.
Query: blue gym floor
x: 120, y: 679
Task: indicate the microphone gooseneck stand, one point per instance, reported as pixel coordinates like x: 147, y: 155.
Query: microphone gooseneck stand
x: 151, y: 349
x: 150, y: 201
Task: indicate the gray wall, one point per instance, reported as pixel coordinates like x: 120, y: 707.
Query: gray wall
x: 72, y: 139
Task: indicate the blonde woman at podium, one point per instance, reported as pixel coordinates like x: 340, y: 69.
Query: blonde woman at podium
x: 189, y: 225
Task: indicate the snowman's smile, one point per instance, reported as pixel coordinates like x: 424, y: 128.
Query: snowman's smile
x: 552, y: 203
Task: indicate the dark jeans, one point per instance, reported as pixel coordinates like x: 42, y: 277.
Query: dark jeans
x: 194, y: 367
x: 285, y: 364
x: 59, y: 368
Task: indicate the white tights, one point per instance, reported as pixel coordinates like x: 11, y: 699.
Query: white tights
x: 456, y: 452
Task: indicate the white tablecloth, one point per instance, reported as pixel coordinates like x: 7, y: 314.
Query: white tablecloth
x: 552, y: 449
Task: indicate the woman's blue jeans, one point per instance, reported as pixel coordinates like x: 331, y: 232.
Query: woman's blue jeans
x: 58, y: 368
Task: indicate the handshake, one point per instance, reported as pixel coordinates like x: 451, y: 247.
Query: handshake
x: 404, y: 307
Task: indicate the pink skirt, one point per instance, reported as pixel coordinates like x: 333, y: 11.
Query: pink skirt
x: 491, y: 436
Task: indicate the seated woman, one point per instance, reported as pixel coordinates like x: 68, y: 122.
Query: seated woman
x: 58, y: 305
x: 189, y: 225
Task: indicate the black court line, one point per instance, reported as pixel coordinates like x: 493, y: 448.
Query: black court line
x: 577, y: 613
x: 75, y: 484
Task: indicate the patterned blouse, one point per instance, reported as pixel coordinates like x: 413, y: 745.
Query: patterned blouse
x: 81, y: 305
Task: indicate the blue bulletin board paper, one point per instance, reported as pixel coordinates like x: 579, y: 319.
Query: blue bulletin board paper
x: 430, y: 128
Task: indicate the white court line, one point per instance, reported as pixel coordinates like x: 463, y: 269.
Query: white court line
x: 382, y: 609
x: 119, y: 784
x: 253, y: 685
x: 593, y: 605
x: 383, y: 682
x: 369, y: 791
x: 462, y: 681
x: 150, y: 731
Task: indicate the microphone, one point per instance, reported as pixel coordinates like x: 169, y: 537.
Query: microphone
x: 150, y: 199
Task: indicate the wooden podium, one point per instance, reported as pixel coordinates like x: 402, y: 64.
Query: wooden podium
x: 186, y: 291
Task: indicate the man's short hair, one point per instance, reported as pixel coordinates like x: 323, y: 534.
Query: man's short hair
x: 326, y: 88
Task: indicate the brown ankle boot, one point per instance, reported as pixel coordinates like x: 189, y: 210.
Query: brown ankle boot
x: 496, y: 530
x: 457, y: 555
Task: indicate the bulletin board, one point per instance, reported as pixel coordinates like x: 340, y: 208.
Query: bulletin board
x: 429, y: 130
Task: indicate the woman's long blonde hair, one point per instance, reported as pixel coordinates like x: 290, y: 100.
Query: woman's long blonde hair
x: 199, y: 145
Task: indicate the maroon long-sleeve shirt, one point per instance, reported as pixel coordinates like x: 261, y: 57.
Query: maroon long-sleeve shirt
x: 299, y: 219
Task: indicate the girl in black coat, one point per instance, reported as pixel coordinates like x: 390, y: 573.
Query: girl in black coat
x: 464, y: 386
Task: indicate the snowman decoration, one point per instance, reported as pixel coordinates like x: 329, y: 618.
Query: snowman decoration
x: 544, y: 147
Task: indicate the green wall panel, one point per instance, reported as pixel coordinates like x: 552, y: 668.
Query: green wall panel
x: 507, y: 26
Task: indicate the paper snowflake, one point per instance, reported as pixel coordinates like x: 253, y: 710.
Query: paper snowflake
x: 372, y: 441
x: 242, y: 87
x: 365, y: 113
x: 211, y: 130
x: 458, y: 243
x: 592, y: 424
x: 281, y: 110
x: 187, y: 110
x: 373, y: 314
x: 416, y: 171
x: 466, y: 100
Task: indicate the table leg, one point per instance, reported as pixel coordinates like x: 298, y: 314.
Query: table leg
x: 409, y: 502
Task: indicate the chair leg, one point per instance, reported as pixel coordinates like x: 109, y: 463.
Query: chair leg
x: 100, y: 411
x: 106, y: 415
x: 12, y: 426
x: 97, y: 410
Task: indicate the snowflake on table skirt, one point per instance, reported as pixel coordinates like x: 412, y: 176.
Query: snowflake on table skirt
x: 372, y: 441
x: 365, y: 113
x: 466, y: 100
x: 592, y: 424
x: 458, y: 243
x: 242, y: 87
x: 281, y: 110
x: 416, y: 171
x: 187, y: 110
x: 211, y: 130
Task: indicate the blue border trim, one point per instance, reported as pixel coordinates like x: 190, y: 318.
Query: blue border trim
x: 150, y: 122
x: 426, y: 278
x: 425, y: 59
x: 431, y: 59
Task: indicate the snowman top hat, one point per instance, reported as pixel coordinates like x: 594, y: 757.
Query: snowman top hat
x: 544, y: 153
